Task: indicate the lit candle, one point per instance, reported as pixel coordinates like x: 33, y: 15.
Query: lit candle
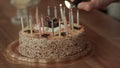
x: 22, y: 24
x: 30, y: 21
x: 78, y: 21
x: 48, y: 10
x: 42, y: 21
x: 37, y: 15
x: 59, y: 28
x: 52, y: 24
x: 63, y: 17
x: 55, y: 12
x: 39, y: 26
x: 61, y: 12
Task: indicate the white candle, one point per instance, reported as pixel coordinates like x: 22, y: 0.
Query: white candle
x: 52, y: 24
x: 22, y: 24
x: 78, y: 21
x: 37, y: 15
x: 55, y: 12
x: 39, y: 26
x: 48, y: 10
x: 61, y: 12
x: 72, y: 20
x: 64, y: 10
x: 63, y: 17
x: 30, y: 21
x: 59, y: 28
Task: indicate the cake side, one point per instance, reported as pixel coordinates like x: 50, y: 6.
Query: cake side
x: 46, y: 48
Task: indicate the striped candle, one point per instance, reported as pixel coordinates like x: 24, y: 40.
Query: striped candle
x: 42, y: 22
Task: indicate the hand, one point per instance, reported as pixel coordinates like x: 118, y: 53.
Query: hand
x: 94, y: 4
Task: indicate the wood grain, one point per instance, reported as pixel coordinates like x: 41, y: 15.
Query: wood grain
x: 102, y: 30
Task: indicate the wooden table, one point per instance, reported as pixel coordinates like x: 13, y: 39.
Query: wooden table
x: 101, y: 29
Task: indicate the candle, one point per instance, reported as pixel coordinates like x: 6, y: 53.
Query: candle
x: 63, y: 17
x: 65, y: 21
x: 37, y: 15
x: 27, y: 20
x: 61, y: 12
x: 48, y: 10
x: 22, y: 24
x: 42, y: 21
x: 78, y: 21
x: 66, y: 27
x: 30, y: 21
x: 72, y: 21
x: 59, y: 28
x: 39, y: 26
x: 64, y: 10
x: 52, y: 24
x: 55, y: 12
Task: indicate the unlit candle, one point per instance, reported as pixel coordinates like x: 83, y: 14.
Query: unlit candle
x: 59, y: 28
x: 42, y: 21
x: 52, y: 24
x: 39, y: 26
x: 48, y: 10
x: 78, y: 21
x: 22, y: 24
x: 55, y: 12
x: 72, y: 20
x: 37, y: 15
x: 30, y: 21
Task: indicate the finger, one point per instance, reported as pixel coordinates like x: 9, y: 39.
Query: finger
x: 85, y: 6
x: 71, y: 0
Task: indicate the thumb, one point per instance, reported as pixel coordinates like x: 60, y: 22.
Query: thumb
x: 85, y: 6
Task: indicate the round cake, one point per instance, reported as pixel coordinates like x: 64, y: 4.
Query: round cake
x: 45, y: 46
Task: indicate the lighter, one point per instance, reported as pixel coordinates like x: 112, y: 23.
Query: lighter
x: 73, y: 4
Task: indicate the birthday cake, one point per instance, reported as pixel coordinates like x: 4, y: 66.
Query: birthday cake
x: 47, y: 46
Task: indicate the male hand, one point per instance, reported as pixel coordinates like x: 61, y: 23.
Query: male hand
x: 94, y: 4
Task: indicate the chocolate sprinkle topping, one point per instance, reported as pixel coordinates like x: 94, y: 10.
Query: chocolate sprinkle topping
x: 77, y: 28
x: 63, y: 33
x: 45, y: 35
x: 28, y: 31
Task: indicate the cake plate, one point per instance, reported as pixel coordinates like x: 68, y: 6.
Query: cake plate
x: 12, y: 55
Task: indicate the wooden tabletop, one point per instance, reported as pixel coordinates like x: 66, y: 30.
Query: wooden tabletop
x: 102, y: 30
